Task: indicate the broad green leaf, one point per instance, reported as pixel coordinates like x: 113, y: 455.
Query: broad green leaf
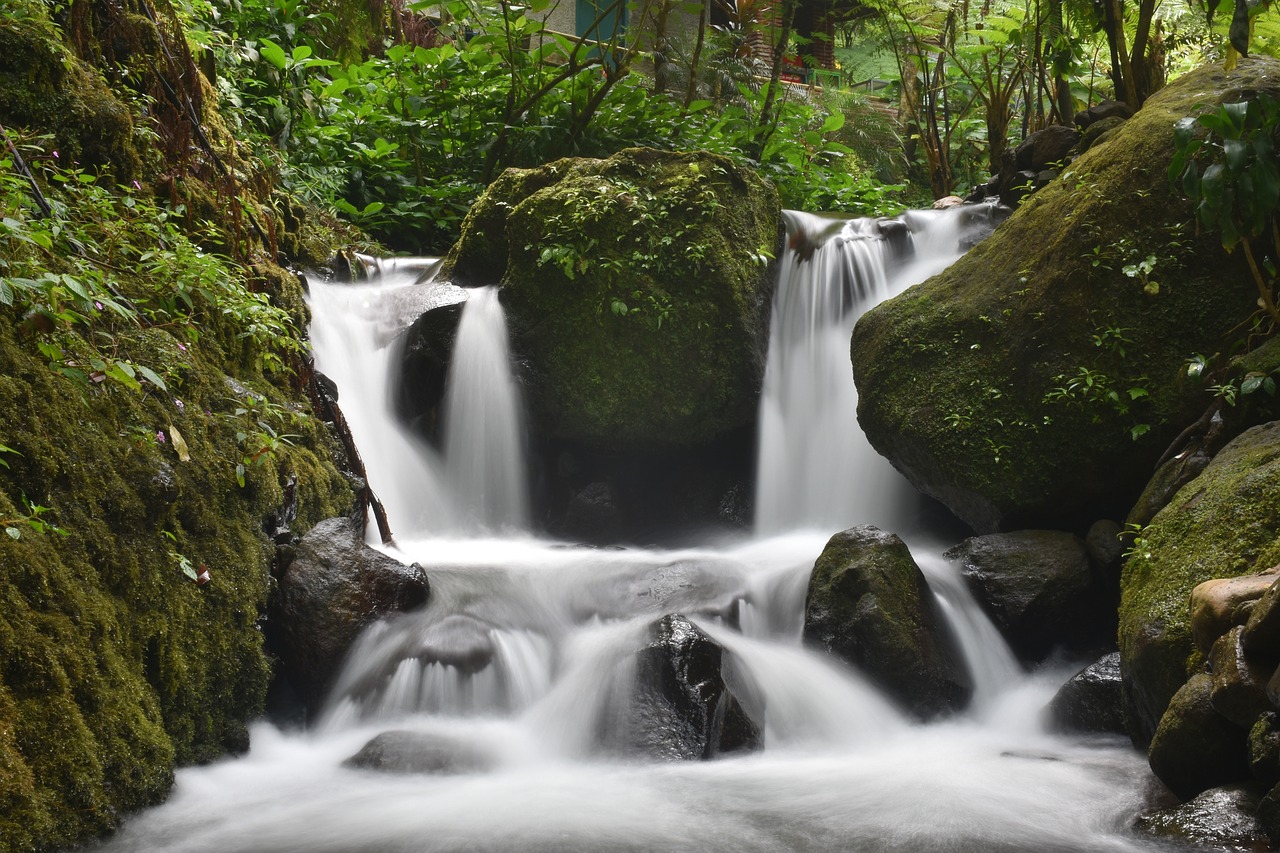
x: 273, y: 53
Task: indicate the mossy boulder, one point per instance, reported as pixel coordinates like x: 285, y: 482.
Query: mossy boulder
x: 116, y: 665
x: 1224, y: 523
x: 44, y: 86
x: 637, y: 290
x: 869, y: 604
x: 990, y: 386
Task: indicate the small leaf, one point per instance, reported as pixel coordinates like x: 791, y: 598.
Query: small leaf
x: 14, y: 533
x: 179, y: 444
x: 1251, y: 383
x: 150, y: 375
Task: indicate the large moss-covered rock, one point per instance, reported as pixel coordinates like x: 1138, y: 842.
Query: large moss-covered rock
x: 869, y: 604
x: 989, y: 385
x: 637, y: 290
x: 1222, y: 524
x: 115, y: 664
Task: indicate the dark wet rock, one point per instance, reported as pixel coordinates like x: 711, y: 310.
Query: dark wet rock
x: 1195, y: 748
x: 1221, y: 819
x: 1104, y: 547
x: 335, y: 586
x: 681, y: 708
x: 1239, y: 684
x: 1262, y: 631
x: 419, y: 752
x: 868, y: 604
x: 1038, y: 588
x: 1269, y: 814
x: 1164, y: 484
x: 592, y: 515
x: 424, y: 368
x: 1090, y: 700
x: 1103, y: 110
x: 1046, y: 148
x: 1264, y: 749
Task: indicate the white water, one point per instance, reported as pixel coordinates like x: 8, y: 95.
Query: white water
x: 524, y: 655
x: 484, y: 424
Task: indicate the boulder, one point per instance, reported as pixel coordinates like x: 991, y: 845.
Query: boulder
x: 1195, y: 748
x: 611, y: 328
x: 1090, y: 700
x: 1224, y: 523
x: 1239, y: 684
x: 989, y: 385
x: 1103, y: 542
x: 1264, y: 749
x: 1219, y: 819
x: 1103, y: 110
x: 1221, y: 604
x: 1047, y: 148
x: 335, y: 586
x: 425, y: 357
x: 642, y: 354
x: 681, y: 708
x: 1038, y: 588
x: 1262, y: 631
x: 419, y: 752
x: 869, y: 604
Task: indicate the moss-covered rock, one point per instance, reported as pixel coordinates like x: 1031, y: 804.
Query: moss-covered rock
x: 990, y: 385
x: 636, y: 289
x: 44, y: 86
x: 869, y: 604
x: 1222, y: 524
x: 116, y: 665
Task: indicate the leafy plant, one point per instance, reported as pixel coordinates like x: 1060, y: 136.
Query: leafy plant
x: 1225, y: 161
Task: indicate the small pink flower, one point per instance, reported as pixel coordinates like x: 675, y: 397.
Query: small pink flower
x: 182, y: 346
x: 179, y: 404
x: 97, y: 304
x: 55, y: 155
x: 137, y: 186
x: 160, y: 436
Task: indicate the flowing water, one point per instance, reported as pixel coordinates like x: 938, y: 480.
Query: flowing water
x: 525, y: 652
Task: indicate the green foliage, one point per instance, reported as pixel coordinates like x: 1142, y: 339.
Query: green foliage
x: 1226, y: 162
x: 107, y: 261
x: 1090, y: 388
x: 404, y: 140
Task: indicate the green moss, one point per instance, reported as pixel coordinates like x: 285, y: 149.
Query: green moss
x: 44, y: 87
x: 635, y: 289
x: 1224, y: 523
x: 953, y: 376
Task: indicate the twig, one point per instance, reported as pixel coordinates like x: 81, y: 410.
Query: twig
x: 41, y: 201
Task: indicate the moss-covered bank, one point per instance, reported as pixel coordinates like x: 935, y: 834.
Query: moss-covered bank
x: 117, y: 487
x: 990, y: 385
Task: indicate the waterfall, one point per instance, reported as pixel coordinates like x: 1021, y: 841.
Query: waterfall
x: 815, y: 466
x: 478, y: 481
x: 522, y: 665
x: 484, y: 422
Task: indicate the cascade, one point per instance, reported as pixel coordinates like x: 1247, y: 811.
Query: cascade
x: 484, y: 431
x: 527, y: 649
